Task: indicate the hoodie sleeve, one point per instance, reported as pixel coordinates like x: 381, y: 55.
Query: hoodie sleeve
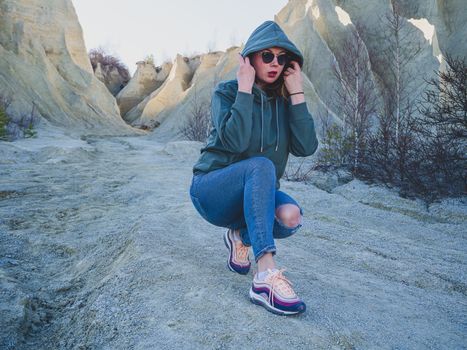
x: 232, y: 112
x: 303, y: 140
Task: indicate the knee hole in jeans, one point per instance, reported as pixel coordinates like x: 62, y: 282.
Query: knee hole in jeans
x: 289, y: 215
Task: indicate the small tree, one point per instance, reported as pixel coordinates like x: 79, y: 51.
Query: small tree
x: 355, y: 97
x: 444, y: 128
x: 400, y: 51
x: 444, y: 103
x: 391, y: 147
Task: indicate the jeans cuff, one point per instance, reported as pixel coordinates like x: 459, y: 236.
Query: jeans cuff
x: 268, y: 249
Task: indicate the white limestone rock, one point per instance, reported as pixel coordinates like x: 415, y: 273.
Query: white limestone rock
x: 146, y: 79
x: 43, y: 60
x: 167, y: 95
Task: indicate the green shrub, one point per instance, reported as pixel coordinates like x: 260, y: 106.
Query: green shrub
x: 29, y: 131
x: 24, y: 126
x: 336, y: 149
x: 3, y: 123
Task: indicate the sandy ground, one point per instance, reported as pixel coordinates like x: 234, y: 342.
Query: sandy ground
x: 101, y: 248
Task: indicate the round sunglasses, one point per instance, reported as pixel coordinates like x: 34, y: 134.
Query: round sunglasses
x: 268, y: 57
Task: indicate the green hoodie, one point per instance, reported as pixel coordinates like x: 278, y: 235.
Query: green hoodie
x: 248, y: 125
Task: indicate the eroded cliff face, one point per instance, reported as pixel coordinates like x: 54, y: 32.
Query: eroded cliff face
x: 170, y: 93
x: 146, y: 80
x: 321, y: 29
x: 448, y: 19
x: 43, y: 61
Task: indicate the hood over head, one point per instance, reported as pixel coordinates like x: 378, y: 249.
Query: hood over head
x: 268, y: 35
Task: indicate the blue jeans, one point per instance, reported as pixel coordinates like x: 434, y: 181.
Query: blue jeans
x: 243, y: 196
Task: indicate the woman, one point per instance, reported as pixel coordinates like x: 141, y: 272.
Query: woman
x: 258, y: 119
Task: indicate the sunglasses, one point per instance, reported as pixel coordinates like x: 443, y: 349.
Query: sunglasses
x: 268, y: 57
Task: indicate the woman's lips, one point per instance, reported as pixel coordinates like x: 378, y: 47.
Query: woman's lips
x: 272, y: 74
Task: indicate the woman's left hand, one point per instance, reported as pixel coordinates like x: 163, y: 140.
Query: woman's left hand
x: 293, y: 78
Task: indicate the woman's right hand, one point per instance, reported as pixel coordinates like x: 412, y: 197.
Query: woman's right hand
x: 245, y: 75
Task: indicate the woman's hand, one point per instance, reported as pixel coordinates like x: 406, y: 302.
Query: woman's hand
x: 293, y: 78
x: 294, y: 82
x: 245, y: 75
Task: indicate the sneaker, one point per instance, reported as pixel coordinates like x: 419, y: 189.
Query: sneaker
x: 275, y: 293
x: 238, y: 260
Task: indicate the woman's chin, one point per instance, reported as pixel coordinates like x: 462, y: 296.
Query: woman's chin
x: 267, y: 80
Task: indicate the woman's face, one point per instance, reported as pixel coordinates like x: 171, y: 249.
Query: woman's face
x: 268, y: 73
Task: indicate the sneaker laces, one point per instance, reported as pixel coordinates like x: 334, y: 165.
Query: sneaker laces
x: 280, y: 283
x: 242, y: 252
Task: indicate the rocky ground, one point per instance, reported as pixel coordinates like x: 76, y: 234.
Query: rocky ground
x: 101, y: 248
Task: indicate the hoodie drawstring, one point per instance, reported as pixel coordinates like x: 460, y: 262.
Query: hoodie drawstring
x: 277, y: 124
x: 261, y: 123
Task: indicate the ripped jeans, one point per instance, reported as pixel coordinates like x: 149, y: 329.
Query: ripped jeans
x: 243, y: 196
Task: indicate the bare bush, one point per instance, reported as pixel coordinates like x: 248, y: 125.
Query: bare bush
x: 427, y: 157
x: 298, y: 171
x: 106, y: 60
x: 19, y: 127
x: 199, y: 123
x: 5, y: 101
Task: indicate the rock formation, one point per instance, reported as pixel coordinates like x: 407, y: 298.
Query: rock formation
x: 146, y: 79
x: 168, y: 94
x: 48, y: 64
x: 212, y: 68
x: 317, y: 26
x: 448, y: 18
x: 43, y: 60
x: 321, y: 28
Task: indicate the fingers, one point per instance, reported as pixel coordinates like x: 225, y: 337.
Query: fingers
x: 240, y: 59
x: 295, y: 64
x: 243, y: 61
x: 295, y: 67
x: 291, y: 70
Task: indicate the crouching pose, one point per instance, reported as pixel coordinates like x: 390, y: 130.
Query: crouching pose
x: 258, y: 119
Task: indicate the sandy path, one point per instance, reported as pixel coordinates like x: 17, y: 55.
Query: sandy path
x: 101, y: 248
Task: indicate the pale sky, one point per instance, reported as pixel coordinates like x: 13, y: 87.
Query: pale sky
x: 134, y: 29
